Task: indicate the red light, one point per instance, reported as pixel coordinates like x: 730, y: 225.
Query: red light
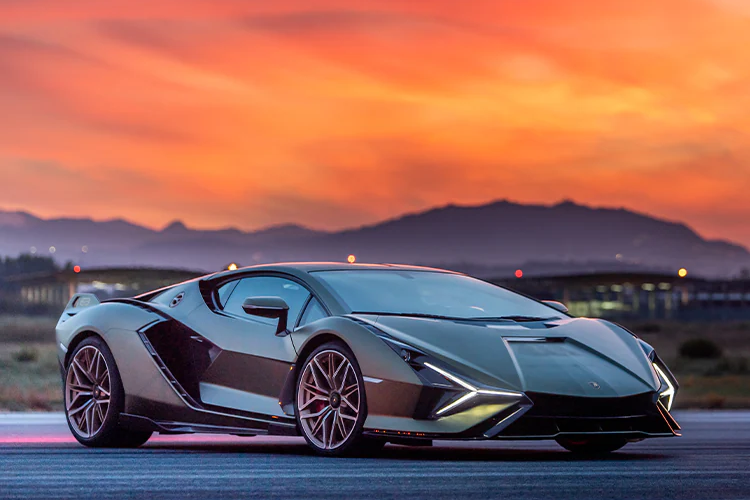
x: 519, y: 273
x: 77, y: 269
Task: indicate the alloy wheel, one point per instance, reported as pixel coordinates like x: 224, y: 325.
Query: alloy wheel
x: 328, y: 399
x: 87, y: 391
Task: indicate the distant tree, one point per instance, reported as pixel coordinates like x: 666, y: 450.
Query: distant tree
x: 700, y: 348
x: 745, y: 273
x: 10, y: 300
x: 26, y: 264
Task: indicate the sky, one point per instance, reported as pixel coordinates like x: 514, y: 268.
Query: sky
x: 335, y: 114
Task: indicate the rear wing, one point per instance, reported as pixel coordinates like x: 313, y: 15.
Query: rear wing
x: 79, y: 302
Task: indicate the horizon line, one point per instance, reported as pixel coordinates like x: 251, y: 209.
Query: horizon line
x: 562, y: 201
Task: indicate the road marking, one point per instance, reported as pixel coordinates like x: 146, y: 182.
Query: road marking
x: 32, y: 418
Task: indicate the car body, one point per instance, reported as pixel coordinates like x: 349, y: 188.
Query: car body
x: 231, y: 353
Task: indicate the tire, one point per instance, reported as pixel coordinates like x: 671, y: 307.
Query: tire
x: 94, y: 398
x: 330, y: 411
x: 593, y: 445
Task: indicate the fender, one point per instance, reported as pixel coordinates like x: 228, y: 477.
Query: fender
x: 386, y: 375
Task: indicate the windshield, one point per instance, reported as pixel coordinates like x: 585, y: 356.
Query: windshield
x: 425, y: 293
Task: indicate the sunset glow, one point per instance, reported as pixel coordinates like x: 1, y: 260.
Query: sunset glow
x: 334, y: 114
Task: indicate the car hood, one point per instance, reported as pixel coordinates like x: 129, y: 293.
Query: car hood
x: 571, y: 356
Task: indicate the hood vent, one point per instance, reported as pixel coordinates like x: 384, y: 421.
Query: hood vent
x: 534, y: 339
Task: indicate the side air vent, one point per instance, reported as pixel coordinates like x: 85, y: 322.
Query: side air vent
x: 168, y: 374
x: 181, y: 354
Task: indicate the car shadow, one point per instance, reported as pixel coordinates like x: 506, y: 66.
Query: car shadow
x: 423, y: 453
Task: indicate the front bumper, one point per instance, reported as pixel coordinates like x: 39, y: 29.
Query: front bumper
x: 549, y: 416
x: 552, y: 416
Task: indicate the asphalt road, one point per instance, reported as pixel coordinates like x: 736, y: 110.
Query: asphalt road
x: 39, y: 459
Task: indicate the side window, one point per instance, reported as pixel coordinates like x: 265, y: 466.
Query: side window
x: 313, y: 312
x: 225, y: 291
x: 267, y: 286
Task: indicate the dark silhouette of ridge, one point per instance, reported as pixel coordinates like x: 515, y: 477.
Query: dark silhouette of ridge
x: 498, y: 234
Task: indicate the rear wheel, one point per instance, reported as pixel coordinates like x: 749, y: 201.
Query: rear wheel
x: 94, y: 398
x: 600, y: 445
x: 330, y: 403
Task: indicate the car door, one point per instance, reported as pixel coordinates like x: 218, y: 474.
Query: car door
x: 254, y: 362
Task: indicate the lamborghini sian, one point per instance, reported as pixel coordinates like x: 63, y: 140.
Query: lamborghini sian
x: 353, y: 356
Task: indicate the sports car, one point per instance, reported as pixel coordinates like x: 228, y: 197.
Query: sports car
x: 353, y: 356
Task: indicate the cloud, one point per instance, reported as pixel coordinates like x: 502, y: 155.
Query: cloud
x: 326, y: 21
x: 332, y: 113
x: 15, y: 46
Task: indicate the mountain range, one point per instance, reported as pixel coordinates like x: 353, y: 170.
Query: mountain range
x: 496, y: 238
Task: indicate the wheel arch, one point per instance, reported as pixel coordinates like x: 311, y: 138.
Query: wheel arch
x: 374, y: 357
x: 317, y: 341
x: 77, y: 340
x: 286, y: 399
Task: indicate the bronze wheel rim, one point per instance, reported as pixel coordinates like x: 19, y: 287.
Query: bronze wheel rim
x: 87, y: 391
x: 328, y: 399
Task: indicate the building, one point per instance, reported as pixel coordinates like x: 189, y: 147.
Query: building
x: 55, y: 289
x: 604, y: 295
x: 641, y: 295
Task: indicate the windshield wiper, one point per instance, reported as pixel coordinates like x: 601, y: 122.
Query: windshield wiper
x: 517, y: 319
x: 411, y: 315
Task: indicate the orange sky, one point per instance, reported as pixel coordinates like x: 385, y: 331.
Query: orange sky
x: 336, y: 113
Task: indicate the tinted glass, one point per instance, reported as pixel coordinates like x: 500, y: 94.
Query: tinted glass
x: 431, y: 293
x: 294, y: 294
x: 225, y: 291
x: 313, y: 312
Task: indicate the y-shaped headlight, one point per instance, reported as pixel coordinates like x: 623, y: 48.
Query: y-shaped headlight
x: 471, y: 393
x: 417, y: 359
x: 669, y: 391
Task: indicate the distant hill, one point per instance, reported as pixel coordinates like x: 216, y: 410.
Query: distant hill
x: 500, y: 235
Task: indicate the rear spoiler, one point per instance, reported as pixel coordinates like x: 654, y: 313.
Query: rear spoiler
x: 79, y: 302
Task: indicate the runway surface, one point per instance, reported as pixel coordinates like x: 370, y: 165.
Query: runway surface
x: 39, y: 459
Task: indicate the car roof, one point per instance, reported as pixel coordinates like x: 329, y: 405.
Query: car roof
x: 296, y: 268
x: 302, y: 271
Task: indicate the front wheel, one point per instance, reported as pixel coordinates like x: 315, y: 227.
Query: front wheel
x: 330, y: 403
x: 592, y: 446
x: 94, y: 398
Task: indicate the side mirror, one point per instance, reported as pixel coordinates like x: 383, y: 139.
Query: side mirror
x: 556, y: 305
x: 268, y: 307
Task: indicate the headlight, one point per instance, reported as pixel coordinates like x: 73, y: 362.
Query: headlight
x: 405, y: 351
x: 471, y: 391
x: 647, y: 349
x: 662, y: 372
x: 669, y: 392
x: 453, y: 392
